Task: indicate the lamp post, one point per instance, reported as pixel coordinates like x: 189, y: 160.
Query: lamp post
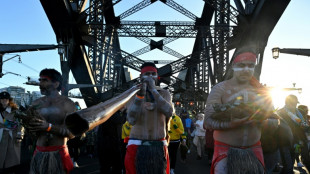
x: 64, y: 68
x: 276, y: 51
x: 61, y: 50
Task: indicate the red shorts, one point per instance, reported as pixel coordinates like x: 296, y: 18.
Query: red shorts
x: 130, y: 159
x: 63, y: 151
x: 221, y: 150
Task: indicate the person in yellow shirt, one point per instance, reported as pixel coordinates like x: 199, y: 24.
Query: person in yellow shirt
x: 176, y: 134
x: 126, y: 128
x: 126, y: 131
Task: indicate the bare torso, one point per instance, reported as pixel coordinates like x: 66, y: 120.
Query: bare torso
x: 152, y: 123
x: 243, y: 135
x: 53, y: 110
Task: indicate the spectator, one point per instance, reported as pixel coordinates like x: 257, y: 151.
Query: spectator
x: 126, y: 128
x: 10, y: 134
x: 298, y: 126
x: 199, y: 139
x: 176, y: 133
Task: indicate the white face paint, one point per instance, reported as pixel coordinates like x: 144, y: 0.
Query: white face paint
x: 152, y: 76
x: 243, y: 69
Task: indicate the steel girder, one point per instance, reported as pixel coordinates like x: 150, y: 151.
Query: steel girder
x: 200, y: 74
x: 184, y: 29
x: 94, y: 54
x: 212, y: 42
x: 136, y: 8
x: 180, y: 9
x: 13, y: 48
x: 262, y: 17
x: 64, y: 23
x: 157, y: 44
x: 222, y: 55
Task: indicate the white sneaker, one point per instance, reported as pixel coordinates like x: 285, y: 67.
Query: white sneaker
x: 300, y: 165
x: 75, y: 165
x: 171, y: 171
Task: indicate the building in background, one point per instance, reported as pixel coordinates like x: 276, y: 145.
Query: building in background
x: 21, y: 96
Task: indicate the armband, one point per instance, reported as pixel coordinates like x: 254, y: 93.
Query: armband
x: 140, y: 97
x: 49, y: 127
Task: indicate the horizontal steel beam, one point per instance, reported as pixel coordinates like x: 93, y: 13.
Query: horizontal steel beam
x: 13, y: 48
x: 163, y: 29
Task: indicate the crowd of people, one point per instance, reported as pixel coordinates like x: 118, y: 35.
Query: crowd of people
x: 239, y: 131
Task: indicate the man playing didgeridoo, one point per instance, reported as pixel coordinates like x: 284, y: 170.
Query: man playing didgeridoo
x: 47, y: 122
x: 148, y: 112
x: 236, y: 110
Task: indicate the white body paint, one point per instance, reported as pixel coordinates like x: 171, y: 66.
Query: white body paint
x: 49, y: 110
x: 244, y: 69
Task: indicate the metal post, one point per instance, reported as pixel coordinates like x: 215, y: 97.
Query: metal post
x: 1, y: 63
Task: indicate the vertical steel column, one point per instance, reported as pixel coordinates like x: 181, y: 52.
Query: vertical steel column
x: 221, y: 52
x: 1, y: 63
x: 94, y: 53
x: 109, y: 50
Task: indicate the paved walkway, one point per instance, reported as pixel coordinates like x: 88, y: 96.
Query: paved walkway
x: 91, y: 165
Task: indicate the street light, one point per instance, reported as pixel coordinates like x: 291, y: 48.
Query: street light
x: 61, y: 49
x: 275, y: 52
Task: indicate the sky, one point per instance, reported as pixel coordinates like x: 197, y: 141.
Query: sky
x: 25, y: 22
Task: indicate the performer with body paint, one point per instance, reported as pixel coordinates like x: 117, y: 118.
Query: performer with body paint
x: 149, y: 112
x: 51, y: 154
x: 236, y: 110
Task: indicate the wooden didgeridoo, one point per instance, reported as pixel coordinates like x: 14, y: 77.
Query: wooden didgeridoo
x: 87, y: 119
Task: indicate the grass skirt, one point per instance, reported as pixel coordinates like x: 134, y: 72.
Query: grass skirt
x: 151, y: 159
x: 243, y: 161
x: 46, y: 163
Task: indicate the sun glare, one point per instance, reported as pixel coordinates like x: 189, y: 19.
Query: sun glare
x: 278, y: 97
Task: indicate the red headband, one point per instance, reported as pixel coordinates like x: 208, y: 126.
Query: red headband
x: 148, y: 68
x: 247, y: 56
x: 47, y: 77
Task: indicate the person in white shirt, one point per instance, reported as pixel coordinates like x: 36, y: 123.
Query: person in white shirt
x: 199, y: 139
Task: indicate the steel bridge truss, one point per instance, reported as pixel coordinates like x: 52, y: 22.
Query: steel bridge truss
x: 97, y: 30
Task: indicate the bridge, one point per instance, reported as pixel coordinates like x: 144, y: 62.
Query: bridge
x: 90, y: 35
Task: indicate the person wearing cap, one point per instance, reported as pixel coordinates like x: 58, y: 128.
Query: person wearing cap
x: 298, y: 124
x: 237, y: 131
x: 11, y: 134
x: 148, y: 112
x: 51, y: 154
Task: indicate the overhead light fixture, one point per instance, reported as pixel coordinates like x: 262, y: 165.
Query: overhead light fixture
x: 61, y: 49
x: 275, y: 52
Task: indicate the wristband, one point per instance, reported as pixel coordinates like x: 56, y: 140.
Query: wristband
x: 49, y: 127
x: 140, y: 97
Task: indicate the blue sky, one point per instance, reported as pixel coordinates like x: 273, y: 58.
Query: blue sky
x: 24, y: 22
